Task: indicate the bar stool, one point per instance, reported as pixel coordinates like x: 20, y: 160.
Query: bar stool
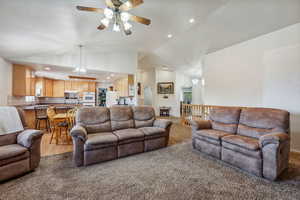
x: 57, y: 126
x: 41, y: 115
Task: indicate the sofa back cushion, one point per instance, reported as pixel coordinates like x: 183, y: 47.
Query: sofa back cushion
x: 94, y: 119
x: 121, y: 117
x: 225, y: 119
x: 144, y: 116
x: 255, y: 122
x: 8, y: 139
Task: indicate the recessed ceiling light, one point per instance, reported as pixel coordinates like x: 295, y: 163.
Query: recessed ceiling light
x: 108, y: 78
x: 170, y: 36
x: 112, y: 75
x: 192, y: 20
x: 47, y: 68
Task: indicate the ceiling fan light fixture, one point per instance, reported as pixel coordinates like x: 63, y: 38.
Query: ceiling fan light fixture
x: 125, y: 16
x: 105, y: 22
x: 128, y: 4
x: 116, y: 28
x: 127, y: 26
x: 109, y: 14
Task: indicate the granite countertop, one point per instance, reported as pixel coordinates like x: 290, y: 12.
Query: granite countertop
x: 57, y: 106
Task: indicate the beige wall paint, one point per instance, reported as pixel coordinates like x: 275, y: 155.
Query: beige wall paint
x: 264, y: 72
x: 5, y: 81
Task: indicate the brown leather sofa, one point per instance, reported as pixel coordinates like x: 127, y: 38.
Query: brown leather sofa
x: 19, y: 152
x: 254, y: 139
x: 103, y: 134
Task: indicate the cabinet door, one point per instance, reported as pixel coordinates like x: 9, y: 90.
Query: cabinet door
x: 19, y: 80
x: 84, y: 86
x: 32, y: 86
x: 75, y: 85
x: 92, y: 87
x: 49, y: 87
x: 68, y: 85
x: 58, y: 88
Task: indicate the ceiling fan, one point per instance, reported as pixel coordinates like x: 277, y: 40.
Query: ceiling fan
x: 116, y: 12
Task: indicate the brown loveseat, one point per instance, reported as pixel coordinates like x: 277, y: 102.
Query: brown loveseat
x: 20, y: 151
x: 254, y: 139
x: 103, y: 134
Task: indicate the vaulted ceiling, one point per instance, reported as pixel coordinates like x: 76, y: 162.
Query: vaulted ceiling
x: 53, y: 27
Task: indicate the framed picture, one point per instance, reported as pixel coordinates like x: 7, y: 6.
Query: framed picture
x: 165, y: 88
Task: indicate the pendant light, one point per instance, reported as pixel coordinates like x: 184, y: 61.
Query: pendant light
x: 80, y: 68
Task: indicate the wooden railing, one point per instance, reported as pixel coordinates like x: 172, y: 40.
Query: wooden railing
x: 196, y: 112
x: 193, y: 112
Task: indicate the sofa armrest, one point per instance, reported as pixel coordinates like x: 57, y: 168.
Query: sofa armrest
x: 275, y: 149
x: 79, y: 132
x: 162, y: 123
x: 273, y: 138
x: 28, y: 137
x: 198, y: 125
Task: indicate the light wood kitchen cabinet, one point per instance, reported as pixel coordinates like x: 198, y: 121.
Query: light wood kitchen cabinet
x: 68, y: 85
x: 92, y: 87
x: 58, y: 88
x: 23, y: 81
x: 48, y: 87
x: 123, y: 85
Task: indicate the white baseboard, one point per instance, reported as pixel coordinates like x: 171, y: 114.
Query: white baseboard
x: 294, y: 150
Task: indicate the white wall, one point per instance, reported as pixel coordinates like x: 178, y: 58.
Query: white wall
x: 5, y: 81
x: 264, y: 71
x: 119, y: 62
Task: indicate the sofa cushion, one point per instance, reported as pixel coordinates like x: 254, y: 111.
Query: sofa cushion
x: 94, y: 119
x: 153, y: 131
x: 252, y: 153
x: 121, y: 117
x: 242, y: 141
x: 225, y: 118
x: 12, y: 150
x: 100, y: 140
x: 128, y: 135
x: 13, y: 159
x: 144, y: 116
x: 255, y: 122
x: 210, y: 135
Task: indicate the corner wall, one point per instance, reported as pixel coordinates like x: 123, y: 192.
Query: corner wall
x: 263, y: 72
x: 5, y: 81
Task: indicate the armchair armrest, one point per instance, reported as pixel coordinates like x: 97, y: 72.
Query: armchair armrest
x: 198, y: 125
x: 79, y: 132
x: 162, y: 123
x: 273, y: 138
x: 28, y: 137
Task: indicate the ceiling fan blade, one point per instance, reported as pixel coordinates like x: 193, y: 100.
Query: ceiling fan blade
x: 128, y: 5
x: 101, y: 27
x: 82, y: 8
x: 141, y: 20
x: 109, y: 3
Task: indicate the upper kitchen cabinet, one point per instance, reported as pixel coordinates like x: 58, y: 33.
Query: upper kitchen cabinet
x: 58, y: 88
x: 92, y: 87
x: 23, y: 81
x: 125, y: 86
x: 44, y: 87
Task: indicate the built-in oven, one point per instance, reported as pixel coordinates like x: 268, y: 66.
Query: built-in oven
x: 89, y: 99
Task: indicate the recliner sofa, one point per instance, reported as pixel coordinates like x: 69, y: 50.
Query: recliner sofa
x: 103, y: 134
x: 19, y: 151
x: 254, y: 139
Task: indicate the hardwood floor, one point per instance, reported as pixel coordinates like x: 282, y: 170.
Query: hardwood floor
x: 178, y: 134
x: 48, y: 149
